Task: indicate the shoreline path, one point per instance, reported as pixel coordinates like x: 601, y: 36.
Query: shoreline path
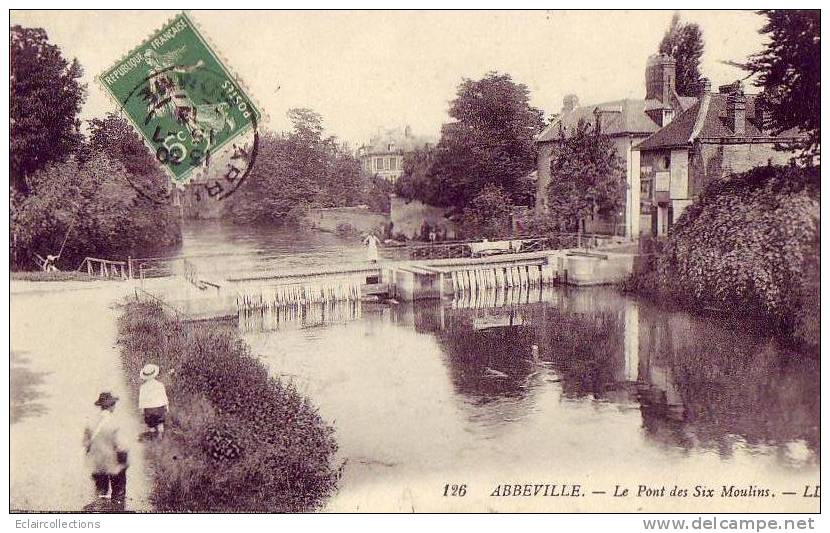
x: 63, y: 353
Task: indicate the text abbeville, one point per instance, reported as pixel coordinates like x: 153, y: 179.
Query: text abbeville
x: 529, y: 489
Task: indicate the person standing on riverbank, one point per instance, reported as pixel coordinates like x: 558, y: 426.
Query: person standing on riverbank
x: 106, y: 453
x: 372, y: 244
x: 152, y: 398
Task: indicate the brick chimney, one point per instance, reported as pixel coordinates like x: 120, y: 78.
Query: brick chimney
x: 736, y: 109
x: 569, y: 103
x: 660, y: 78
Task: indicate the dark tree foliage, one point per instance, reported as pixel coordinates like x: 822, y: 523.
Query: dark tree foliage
x: 115, y: 138
x: 416, y: 181
x: 377, y: 194
x: 587, y: 177
x: 277, y: 190
x: 488, y: 214
x: 300, y: 169
x: 490, y: 142
x: 684, y: 42
x: 45, y: 99
x: 748, y: 245
x: 91, y: 206
x: 343, y: 183
x: 789, y: 71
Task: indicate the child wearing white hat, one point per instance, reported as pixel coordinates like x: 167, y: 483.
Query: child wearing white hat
x: 152, y: 398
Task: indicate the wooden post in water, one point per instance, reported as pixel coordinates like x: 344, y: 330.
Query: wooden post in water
x: 441, y: 285
x: 129, y: 267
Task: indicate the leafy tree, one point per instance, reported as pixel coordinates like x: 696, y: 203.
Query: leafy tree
x: 377, y: 193
x: 789, y: 71
x: 488, y: 214
x: 277, y: 190
x: 416, y: 181
x: 489, y: 143
x: 587, y: 177
x: 300, y: 169
x: 117, y: 139
x: 684, y: 42
x: 343, y: 183
x: 330, y: 166
x: 93, y: 207
x: 45, y: 99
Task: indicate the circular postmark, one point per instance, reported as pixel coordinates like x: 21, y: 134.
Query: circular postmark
x: 199, y: 126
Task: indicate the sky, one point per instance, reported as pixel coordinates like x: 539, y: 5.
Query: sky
x: 362, y: 70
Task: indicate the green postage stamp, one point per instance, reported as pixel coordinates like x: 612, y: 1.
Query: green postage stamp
x: 192, y: 114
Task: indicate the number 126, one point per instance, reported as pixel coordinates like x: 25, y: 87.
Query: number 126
x: 455, y: 490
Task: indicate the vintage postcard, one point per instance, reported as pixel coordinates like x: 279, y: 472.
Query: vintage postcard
x: 415, y: 261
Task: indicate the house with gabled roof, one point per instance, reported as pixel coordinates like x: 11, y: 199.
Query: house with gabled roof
x: 721, y: 134
x: 627, y: 122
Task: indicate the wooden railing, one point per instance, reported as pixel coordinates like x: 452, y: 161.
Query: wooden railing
x: 106, y: 268
x: 457, y: 249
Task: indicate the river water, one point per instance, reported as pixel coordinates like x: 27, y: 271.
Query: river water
x: 623, y: 394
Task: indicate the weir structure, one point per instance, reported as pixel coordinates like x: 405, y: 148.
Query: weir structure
x: 485, y: 270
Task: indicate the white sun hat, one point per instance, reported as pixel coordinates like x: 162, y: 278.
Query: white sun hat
x: 149, y: 371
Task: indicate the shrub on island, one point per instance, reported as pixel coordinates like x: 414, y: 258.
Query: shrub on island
x: 238, y: 440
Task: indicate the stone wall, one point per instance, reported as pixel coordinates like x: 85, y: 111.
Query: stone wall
x: 360, y: 218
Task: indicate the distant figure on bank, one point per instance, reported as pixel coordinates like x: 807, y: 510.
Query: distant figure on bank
x: 152, y: 398
x: 432, y: 235
x: 49, y: 264
x: 106, y: 453
x: 372, y: 247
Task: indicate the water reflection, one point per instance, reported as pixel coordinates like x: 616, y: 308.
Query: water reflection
x: 423, y: 393
x: 697, y: 384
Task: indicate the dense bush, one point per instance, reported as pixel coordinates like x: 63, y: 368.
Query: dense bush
x: 238, y: 440
x: 93, y: 207
x: 488, y: 214
x: 748, y: 245
x: 346, y: 230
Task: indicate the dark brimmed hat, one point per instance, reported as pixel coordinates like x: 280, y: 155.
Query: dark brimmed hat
x: 106, y: 399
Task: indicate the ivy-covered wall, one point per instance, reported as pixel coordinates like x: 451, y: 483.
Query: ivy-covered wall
x: 749, y: 246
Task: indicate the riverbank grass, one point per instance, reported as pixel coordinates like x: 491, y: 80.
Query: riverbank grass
x: 237, y: 440
x: 39, y: 275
